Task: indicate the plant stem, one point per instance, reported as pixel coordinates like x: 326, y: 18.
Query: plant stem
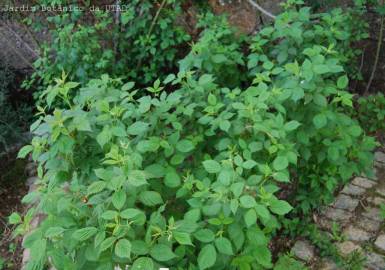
x: 261, y: 9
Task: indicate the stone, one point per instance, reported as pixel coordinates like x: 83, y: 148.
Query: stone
x: 328, y: 265
x: 338, y: 214
x: 356, y: 234
x: 31, y: 181
x: 377, y: 201
x: 353, y: 190
x: 345, y: 202
x: 347, y: 247
x: 379, y: 157
x: 372, y: 213
x: 380, y: 190
x: 363, y: 182
x: 303, y: 250
x: 375, y: 261
x: 380, y: 242
x: 368, y: 224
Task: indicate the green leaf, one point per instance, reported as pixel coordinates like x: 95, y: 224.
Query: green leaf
x: 182, y: 238
x: 109, y: 215
x: 247, y: 201
x: 137, y: 178
x: 185, y: 146
x: 14, y: 218
x: 282, y: 177
x: 119, y: 199
x: 264, y: 256
x: 204, y: 235
x: 207, y: 257
x: 123, y: 248
x: 319, y: 121
x: 212, y: 166
x: 321, y: 69
x: 212, y: 100
x: 104, y: 137
x: 342, y: 82
x: 143, y: 263
x: 225, y: 177
x: 292, y: 125
x: 224, y: 125
x: 54, y: 232
x: 84, y: 233
x: 250, y: 217
x: 107, y: 243
x: 162, y: 253
x: 24, y: 151
x: 150, y: 198
x: 262, y: 211
x: 96, y: 187
x: 249, y: 164
x: 280, y: 207
x: 224, y: 246
x: 280, y: 163
x: 137, y: 216
x: 138, y: 128
x: 172, y: 179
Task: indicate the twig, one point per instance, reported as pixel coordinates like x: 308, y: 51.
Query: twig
x: 377, y: 56
x: 261, y: 9
x: 156, y: 18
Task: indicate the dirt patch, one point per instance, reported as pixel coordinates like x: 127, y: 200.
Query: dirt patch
x: 12, y: 190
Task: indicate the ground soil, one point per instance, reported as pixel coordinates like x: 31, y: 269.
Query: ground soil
x: 12, y: 190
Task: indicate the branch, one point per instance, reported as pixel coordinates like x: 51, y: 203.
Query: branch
x: 377, y: 56
x: 261, y: 9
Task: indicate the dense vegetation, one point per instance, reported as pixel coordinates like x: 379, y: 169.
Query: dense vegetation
x: 150, y: 156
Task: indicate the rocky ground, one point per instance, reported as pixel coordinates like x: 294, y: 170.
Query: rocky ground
x: 357, y: 212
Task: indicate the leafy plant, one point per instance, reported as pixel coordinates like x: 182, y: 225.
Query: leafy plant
x: 219, y: 51
x: 302, y: 61
x: 286, y: 262
x: 370, y: 112
x: 139, y: 43
x: 149, y: 181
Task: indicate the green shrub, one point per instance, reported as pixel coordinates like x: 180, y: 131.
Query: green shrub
x: 304, y: 62
x: 219, y: 51
x: 140, y: 46
x: 197, y: 177
x: 370, y: 112
x: 151, y: 182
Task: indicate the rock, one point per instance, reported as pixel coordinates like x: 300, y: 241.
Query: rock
x: 363, y: 182
x: 377, y: 201
x: 380, y: 242
x: 345, y: 202
x: 379, y: 157
x: 347, y: 247
x: 380, y: 190
x: 375, y: 261
x: 328, y: 265
x: 240, y: 14
x: 368, y: 224
x: 355, y: 234
x: 337, y: 214
x: 31, y: 181
x: 353, y: 190
x: 303, y: 250
x: 372, y: 213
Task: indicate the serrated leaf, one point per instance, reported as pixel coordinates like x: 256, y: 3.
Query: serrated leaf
x: 107, y: 243
x: 342, y: 82
x: 123, y: 248
x: 185, y: 146
x: 319, y: 121
x: 247, y: 201
x: 84, y: 233
x: 119, y: 199
x: 162, y: 253
x: 150, y: 198
x: 212, y: 166
x: 207, y: 257
x: 280, y: 207
x: 280, y: 163
x: 137, y: 128
x: 205, y: 235
x: 224, y: 246
x: 143, y: 263
x: 96, y: 187
x: 182, y: 238
x: 24, y: 151
x: 292, y: 125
